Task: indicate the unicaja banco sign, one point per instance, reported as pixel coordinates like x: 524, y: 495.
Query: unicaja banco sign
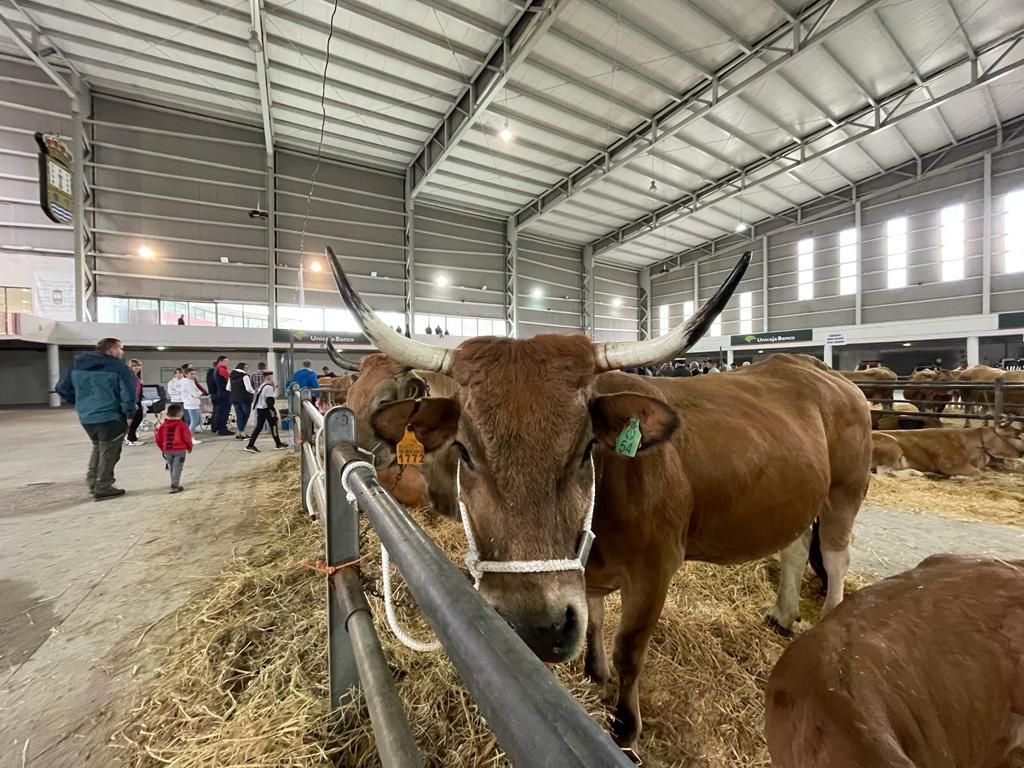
x: 283, y: 336
x: 775, y: 337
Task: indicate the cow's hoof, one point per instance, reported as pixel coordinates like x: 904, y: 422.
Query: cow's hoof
x: 625, y: 728
x: 775, y: 626
x: 599, y: 674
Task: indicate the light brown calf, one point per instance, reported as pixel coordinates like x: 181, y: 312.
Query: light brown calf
x: 955, y: 452
x: 921, y: 670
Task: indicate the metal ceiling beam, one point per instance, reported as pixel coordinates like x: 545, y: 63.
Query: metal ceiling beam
x: 42, y: 63
x: 784, y: 42
x: 467, y: 17
x: 914, y: 71
x: 257, y: 34
x: 865, y: 121
x: 522, y: 36
x: 713, y: 21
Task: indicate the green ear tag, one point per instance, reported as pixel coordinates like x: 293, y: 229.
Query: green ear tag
x: 629, y: 438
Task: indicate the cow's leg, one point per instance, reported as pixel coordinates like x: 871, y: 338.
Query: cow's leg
x: 837, y: 518
x: 642, y: 602
x: 786, y: 611
x: 595, y: 662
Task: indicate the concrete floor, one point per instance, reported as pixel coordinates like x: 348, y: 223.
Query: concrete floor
x: 81, y: 582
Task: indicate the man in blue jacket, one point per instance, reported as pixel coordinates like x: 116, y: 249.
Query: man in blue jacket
x: 102, y: 389
x: 305, y: 378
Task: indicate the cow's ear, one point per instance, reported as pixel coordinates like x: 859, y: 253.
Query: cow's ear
x: 434, y: 421
x: 611, y: 415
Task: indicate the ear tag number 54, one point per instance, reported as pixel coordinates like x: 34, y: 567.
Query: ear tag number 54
x: 629, y: 438
x: 410, y: 449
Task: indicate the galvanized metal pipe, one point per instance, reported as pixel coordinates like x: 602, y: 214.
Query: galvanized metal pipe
x: 395, y: 743
x: 536, y: 721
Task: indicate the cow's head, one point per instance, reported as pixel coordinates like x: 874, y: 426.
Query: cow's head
x: 1005, y: 440
x: 525, y: 425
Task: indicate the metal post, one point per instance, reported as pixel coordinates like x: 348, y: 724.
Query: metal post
x: 53, y: 373
x: 587, y: 305
x: 973, y: 350
x: 858, y: 307
x: 342, y: 546
x: 644, y: 304
x: 986, y: 244
x: 512, y: 277
x: 410, y: 255
x: 395, y: 743
x: 827, y: 356
x: 696, y: 286
x: 80, y: 201
x: 303, y: 436
x: 271, y: 240
x: 997, y: 401
x: 764, y: 284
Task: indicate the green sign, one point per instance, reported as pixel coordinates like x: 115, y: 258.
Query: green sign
x: 1011, y: 320
x: 774, y: 337
x: 284, y: 336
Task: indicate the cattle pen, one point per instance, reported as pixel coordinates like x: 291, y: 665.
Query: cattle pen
x: 979, y: 400
x: 535, y: 720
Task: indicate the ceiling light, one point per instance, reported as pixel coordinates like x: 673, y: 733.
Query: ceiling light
x: 146, y: 252
x: 441, y: 281
x: 906, y: 343
x: 506, y: 132
x: 373, y: 274
x: 161, y: 349
x: 536, y: 293
x: 616, y: 302
x: 254, y: 42
x: 654, y: 187
x: 741, y: 226
x: 315, y: 266
x: 483, y: 288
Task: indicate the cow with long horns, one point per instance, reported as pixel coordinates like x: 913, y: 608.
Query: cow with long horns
x: 555, y: 446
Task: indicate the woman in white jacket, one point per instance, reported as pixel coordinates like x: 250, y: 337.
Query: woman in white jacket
x: 190, y: 394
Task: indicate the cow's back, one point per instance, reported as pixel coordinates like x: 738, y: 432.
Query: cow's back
x: 941, y: 451
x: 921, y: 670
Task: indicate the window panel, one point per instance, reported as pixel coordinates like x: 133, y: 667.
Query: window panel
x: 953, y: 243
x: 144, y: 311
x: 230, y: 315
x: 663, y: 319
x: 805, y: 269
x: 420, y: 323
x: 170, y: 311
x: 110, y: 309
x: 747, y: 312
x: 1013, y: 253
x: 202, y: 313
x: 896, y: 249
x: 847, y: 262
x: 687, y: 310
x: 256, y: 315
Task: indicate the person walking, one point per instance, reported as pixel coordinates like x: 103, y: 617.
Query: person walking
x: 103, y: 391
x: 173, y: 387
x: 174, y: 439
x: 135, y: 366
x: 191, y: 401
x: 221, y: 397
x: 305, y: 378
x: 266, y: 413
x: 241, y: 392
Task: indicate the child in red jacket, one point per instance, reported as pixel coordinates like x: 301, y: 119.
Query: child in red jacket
x: 174, y: 439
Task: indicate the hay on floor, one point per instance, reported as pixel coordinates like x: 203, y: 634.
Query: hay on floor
x: 997, y: 496
x: 245, y: 685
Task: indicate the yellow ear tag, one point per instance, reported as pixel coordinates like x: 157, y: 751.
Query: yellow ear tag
x: 410, y: 449
x: 629, y: 439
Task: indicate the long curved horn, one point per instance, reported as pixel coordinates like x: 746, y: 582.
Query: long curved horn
x: 408, y: 352
x: 339, y: 359
x: 613, y: 355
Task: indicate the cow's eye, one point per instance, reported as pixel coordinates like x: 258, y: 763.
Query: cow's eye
x: 464, y: 454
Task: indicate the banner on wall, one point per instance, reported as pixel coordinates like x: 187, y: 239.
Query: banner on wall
x: 53, y: 295
x: 56, y: 191
x: 775, y: 337
x: 356, y: 339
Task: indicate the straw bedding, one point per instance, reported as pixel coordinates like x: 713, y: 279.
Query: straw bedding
x: 243, y: 682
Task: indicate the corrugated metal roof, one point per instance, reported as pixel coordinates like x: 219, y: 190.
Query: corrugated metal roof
x: 600, y: 72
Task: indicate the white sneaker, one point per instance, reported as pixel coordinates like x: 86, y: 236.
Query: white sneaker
x: 197, y: 442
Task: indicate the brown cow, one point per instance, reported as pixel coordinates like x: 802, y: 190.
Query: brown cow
x: 957, y: 452
x: 333, y: 390
x: 886, y: 455
x: 928, y: 399
x: 921, y: 670
x: 544, y: 429
x: 879, y: 375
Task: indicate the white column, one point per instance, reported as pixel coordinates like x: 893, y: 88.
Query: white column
x: 827, y: 356
x: 729, y: 353
x: 858, y: 306
x: 764, y: 284
x: 986, y: 245
x: 973, y: 351
x: 53, y: 372
x: 271, y: 359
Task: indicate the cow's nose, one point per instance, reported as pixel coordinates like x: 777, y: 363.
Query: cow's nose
x: 553, y: 641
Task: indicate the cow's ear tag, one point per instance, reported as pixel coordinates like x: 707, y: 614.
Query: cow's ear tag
x: 629, y: 438
x: 410, y: 449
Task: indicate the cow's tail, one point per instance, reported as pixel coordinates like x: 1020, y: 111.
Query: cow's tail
x: 817, y: 562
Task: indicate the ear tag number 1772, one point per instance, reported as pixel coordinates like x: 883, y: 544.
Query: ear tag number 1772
x: 629, y: 438
x: 410, y: 449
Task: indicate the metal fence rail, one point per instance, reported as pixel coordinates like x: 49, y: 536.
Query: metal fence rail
x: 535, y: 719
x: 991, y: 405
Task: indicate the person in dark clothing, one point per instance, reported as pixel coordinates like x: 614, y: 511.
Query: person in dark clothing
x: 103, y: 391
x: 430, y: 331
x: 266, y: 413
x: 181, y: 319
x: 679, y: 370
x: 437, y: 331
x: 174, y: 439
x: 240, y: 388
x: 305, y: 378
x: 326, y: 372
x: 133, y: 429
x: 218, y: 379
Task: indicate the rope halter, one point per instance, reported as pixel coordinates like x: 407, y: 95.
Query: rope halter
x: 478, y: 567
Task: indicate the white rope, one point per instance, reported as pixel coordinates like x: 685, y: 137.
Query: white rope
x: 477, y: 567
x: 317, y: 477
x: 385, y: 566
x: 389, y: 610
